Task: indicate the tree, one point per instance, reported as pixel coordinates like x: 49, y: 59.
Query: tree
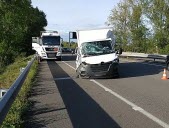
x: 19, y: 21
x: 119, y: 19
x: 159, y: 17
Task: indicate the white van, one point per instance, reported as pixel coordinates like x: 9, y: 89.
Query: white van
x: 96, y: 56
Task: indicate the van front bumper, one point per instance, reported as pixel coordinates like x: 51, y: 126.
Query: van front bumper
x: 104, y: 70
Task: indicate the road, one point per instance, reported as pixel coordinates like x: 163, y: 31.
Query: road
x: 138, y: 99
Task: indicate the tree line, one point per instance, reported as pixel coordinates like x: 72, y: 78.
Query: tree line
x: 71, y: 45
x: 141, y: 25
x: 19, y: 21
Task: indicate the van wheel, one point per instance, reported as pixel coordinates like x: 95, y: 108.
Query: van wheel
x: 59, y: 59
x: 77, y: 74
x: 117, y: 75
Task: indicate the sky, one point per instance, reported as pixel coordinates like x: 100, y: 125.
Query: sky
x: 71, y: 15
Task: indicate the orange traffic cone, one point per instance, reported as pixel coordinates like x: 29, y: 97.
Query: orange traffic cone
x: 164, y: 75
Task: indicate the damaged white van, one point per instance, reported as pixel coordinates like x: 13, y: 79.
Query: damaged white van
x: 96, y: 55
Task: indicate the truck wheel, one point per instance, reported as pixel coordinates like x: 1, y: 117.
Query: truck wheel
x: 39, y: 59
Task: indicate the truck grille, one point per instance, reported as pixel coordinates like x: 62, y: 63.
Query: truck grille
x: 51, y: 49
x: 51, y: 55
x: 100, y: 67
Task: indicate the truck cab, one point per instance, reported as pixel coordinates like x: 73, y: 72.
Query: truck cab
x: 96, y: 55
x: 48, y: 45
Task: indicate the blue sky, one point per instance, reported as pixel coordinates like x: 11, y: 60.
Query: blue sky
x: 71, y: 15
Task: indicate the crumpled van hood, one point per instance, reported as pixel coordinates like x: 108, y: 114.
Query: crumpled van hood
x: 100, y: 58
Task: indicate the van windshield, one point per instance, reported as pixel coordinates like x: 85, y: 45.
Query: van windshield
x: 97, y: 48
x: 51, y: 40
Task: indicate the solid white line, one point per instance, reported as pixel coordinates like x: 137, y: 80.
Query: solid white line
x: 134, y: 106
x: 68, y: 65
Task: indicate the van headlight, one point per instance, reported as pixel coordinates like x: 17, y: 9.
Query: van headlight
x: 43, y: 54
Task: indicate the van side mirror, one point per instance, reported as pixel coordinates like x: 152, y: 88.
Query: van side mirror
x: 120, y: 51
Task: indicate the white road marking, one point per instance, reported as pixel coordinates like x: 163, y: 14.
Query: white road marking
x: 137, y: 108
x: 68, y: 65
x: 134, y: 106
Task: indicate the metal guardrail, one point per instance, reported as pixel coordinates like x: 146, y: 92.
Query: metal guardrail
x: 10, y: 95
x: 143, y: 55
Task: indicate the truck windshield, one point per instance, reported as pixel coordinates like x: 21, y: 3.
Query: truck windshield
x: 51, y: 40
x: 97, y: 48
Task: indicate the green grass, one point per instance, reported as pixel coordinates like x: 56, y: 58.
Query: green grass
x: 15, y: 118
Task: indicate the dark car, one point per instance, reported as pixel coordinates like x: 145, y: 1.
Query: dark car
x: 73, y: 51
x: 66, y: 50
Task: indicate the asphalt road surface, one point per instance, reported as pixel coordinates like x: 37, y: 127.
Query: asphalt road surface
x: 138, y: 99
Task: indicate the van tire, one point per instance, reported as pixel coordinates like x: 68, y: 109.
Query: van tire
x: 59, y: 58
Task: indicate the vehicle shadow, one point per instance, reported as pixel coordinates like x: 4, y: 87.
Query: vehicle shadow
x: 133, y: 69
x: 83, y: 111
x: 137, y: 69
x: 68, y: 57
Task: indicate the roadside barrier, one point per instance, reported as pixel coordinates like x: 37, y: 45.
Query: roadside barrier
x: 9, y: 97
x: 143, y: 55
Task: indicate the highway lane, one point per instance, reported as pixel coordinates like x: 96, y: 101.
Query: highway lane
x: 138, y: 99
x: 141, y: 83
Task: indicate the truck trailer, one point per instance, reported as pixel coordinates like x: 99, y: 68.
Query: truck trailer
x: 96, y: 54
x: 48, y: 45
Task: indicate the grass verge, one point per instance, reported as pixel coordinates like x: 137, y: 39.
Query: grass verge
x: 15, y: 116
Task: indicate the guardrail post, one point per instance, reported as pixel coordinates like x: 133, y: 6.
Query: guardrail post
x: 2, y: 92
x: 28, y: 62
x: 21, y: 70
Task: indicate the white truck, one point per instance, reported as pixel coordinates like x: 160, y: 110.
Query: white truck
x: 96, y: 55
x: 48, y: 45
